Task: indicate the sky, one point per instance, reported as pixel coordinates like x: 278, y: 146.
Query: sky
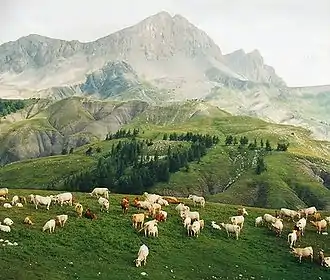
x: 293, y: 36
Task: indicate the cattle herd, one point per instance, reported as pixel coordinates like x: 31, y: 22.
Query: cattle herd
x: 152, y: 206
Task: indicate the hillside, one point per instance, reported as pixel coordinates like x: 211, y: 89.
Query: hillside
x: 161, y: 58
x: 86, y: 249
x: 226, y: 173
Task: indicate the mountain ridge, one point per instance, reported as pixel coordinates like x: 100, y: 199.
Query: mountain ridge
x: 168, y: 54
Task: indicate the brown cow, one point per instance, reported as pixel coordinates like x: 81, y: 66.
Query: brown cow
x: 89, y: 215
x: 124, y: 204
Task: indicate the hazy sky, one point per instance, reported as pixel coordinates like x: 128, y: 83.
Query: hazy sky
x: 293, y: 36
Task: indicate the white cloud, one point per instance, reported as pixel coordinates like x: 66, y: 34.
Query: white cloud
x: 292, y: 35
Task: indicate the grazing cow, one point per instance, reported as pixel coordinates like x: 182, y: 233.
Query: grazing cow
x: 237, y: 220
x: 79, y: 209
x: 292, y: 238
x: 308, y: 211
x: 195, y: 228
x: 289, y: 213
x: 303, y: 252
x: 50, y: 225
x: 64, y: 198
x: 142, y: 256
x: 89, y: 215
x: 154, y: 208
x: 148, y: 225
x: 181, y: 207
x: 4, y: 228
x: 28, y: 221
x: 242, y: 212
x: 42, y: 200
x: 152, y: 198
x: 301, y: 225
x: 162, y: 202
x: 197, y: 200
x: 7, y: 205
x: 231, y: 229
x: 4, y: 192
x: 8, y: 221
x: 171, y: 199
x: 124, y: 205
x: 100, y: 192
x: 278, y: 226
x: 258, y: 221
x: 14, y: 200
x: 324, y: 261
x: 143, y: 205
x: 193, y: 215
x: 320, y: 225
x: 138, y: 220
x: 104, y: 204
x: 161, y: 216
x: 61, y: 219
x: 269, y: 219
x: 153, y: 231
x: 187, y: 222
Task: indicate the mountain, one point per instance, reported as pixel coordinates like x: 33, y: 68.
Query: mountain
x: 162, y: 58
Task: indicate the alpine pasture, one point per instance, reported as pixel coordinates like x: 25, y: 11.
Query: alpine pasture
x: 106, y: 248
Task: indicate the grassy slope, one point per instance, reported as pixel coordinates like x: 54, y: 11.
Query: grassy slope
x: 275, y: 188
x: 105, y: 248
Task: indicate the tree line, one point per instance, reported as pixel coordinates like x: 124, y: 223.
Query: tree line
x: 10, y: 106
x: 243, y: 141
x: 129, y: 168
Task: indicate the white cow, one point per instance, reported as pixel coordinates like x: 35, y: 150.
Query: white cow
x: 284, y: 212
x: 7, y: 205
x: 42, y: 200
x: 61, y: 219
x: 100, y: 192
x: 142, y: 256
x: 193, y: 215
x: 64, y: 198
x: 292, y: 238
x: 197, y: 200
x: 181, y: 207
x: 151, y: 197
x: 237, y: 220
x: 258, y: 221
x: 8, y: 221
x: 301, y: 224
x: 194, y: 229
x: 187, y: 222
x: 231, y: 229
x: 4, y: 228
x: 14, y: 200
x: 104, y: 204
x: 50, y: 225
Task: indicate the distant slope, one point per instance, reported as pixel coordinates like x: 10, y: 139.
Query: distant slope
x: 294, y: 178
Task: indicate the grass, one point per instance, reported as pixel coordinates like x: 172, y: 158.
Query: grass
x: 105, y: 248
